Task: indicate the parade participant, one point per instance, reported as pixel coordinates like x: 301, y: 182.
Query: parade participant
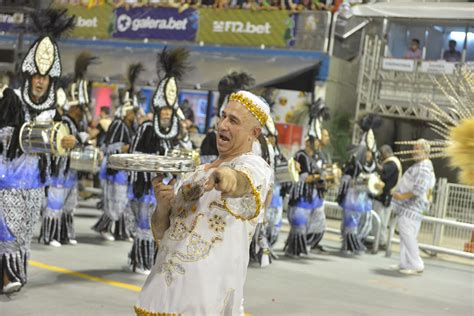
x: 116, y: 220
x: 155, y: 137
x: 260, y: 251
x: 353, y: 192
x: 58, y: 215
x: 205, y: 228
x: 306, y: 211
x: 228, y: 84
x: 390, y: 174
x: 303, y: 200
x: 412, y: 197
x: 23, y: 176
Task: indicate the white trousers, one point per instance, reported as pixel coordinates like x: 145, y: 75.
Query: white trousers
x: 384, y: 214
x: 409, y: 252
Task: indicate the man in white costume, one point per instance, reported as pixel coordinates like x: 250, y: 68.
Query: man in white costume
x: 413, y: 197
x: 205, y: 224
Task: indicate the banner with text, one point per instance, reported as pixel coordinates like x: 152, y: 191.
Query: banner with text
x: 91, y: 22
x: 245, y: 28
x: 8, y: 22
x: 162, y: 23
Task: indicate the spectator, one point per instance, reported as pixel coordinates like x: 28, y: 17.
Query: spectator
x: 452, y: 54
x: 187, y: 111
x: 414, y: 52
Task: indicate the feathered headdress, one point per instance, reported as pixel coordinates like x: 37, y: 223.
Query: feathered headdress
x: 233, y: 82
x: 43, y: 56
x: 172, y: 64
x: 318, y: 113
x: 368, y: 123
x: 454, y: 124
x: 128, y: 96
x: 79, y: 88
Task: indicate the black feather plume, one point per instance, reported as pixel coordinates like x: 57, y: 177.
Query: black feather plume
x: 319, y: 110
x: 173, y: 62
x: 133, y: 72
x: 234, y: 82
x: 370, y: 121
x: 51, y: 22
x: 82, y: 62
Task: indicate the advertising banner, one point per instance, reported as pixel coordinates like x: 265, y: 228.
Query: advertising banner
x: 91, y: 22
x: 156, y: 23
x: 8, y: 22
x: 246, y: 28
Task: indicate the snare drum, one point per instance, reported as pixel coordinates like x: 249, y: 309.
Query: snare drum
x: 85, y: 159
x: 287, y: 172
x: 150, y: 163
x: 43, y: 137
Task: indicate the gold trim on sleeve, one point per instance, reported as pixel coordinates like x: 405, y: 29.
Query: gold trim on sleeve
x: 256, y: 195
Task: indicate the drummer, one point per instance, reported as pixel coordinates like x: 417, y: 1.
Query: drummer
x: 24, y: 175
x: 58, y: 214
x: 156, y: 136
x: 204, y: 234
x: 115, y: 222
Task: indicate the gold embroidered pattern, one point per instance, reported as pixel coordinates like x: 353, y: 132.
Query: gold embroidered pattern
x: 261, y: 116
x: 256, y: 196
x: 197, y: 248
x: 143, y: 312
x: 217, y: 223
x: 180, y: 230
x: 168, y: 268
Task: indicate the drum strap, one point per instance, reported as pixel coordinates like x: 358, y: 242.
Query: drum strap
x: 396, y: 161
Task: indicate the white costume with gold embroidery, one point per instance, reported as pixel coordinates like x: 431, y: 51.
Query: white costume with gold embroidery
x: 202, y: 261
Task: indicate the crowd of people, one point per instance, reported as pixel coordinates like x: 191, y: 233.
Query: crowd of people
x: 200, y: 229
x: 294, y: 5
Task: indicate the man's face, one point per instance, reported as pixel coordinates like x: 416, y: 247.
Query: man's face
x: 235, y: 129
x: 130, y: 116
x: 39, y: 85
x: 77, y: 112
x: 414, y: 46
x: 452, y: 46
x: 325, y: 138
x: 165, y: 117
x: 418, y: 152
x: 368, y: 156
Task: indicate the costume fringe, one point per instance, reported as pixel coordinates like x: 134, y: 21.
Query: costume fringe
x: 296, y: 244
x: 120, y: 228
x: 67, y: 228
x: 144, y: 250
x: 314, y: 239
x: 50, y: 227
x: 13, y: 264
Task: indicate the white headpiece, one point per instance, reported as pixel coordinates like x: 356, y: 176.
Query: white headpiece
x: 255, y: 104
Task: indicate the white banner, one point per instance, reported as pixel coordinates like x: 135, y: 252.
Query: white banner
x: 398, y: 64
x: 437, y: 67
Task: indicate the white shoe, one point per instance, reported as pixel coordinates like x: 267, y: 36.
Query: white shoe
x: 11, y: 287
x: 394, y: 267
x: 55, y: 243
x: 411, y: 271
x: 107, y: 236
x: 142, y: 271
x: 129, y: 239
x: 72, y: 242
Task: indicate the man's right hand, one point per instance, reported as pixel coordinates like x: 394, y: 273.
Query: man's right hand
x: 164, y: 193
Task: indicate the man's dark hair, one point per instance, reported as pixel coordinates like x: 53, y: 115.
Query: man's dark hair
x: 416, y: 40
x: 105, y: 109
x: 453, y: 42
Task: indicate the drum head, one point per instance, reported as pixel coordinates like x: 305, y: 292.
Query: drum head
x: 294, y: 174
x: 150, y: 163
x: 59, y: 131
x: 373, y: 180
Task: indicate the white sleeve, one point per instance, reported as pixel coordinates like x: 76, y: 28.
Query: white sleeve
x: 259, y: 174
